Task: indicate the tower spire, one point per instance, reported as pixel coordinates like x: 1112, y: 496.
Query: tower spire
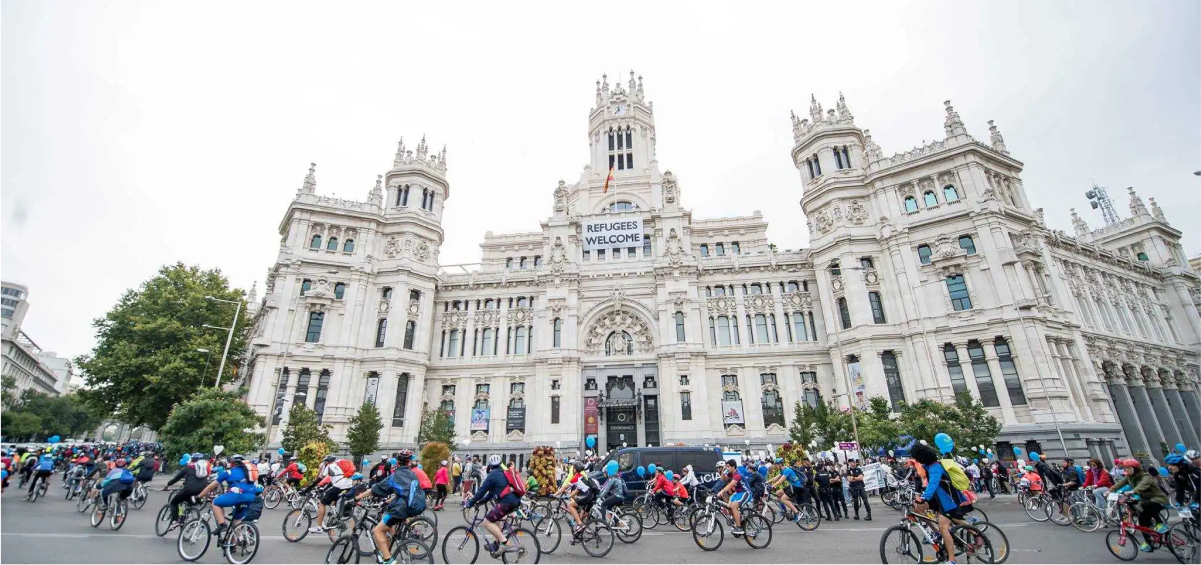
x: 376, y: 196
x: 442, y: 156
x: 994, y: 135
x: 310, y: 180
x: 1137, y: 208
x: 844, y: 113
x: 400, y: 153
x: 953, y: 124
x: 815, y: 109
x: 422, y: 150
x: 1078, y: 224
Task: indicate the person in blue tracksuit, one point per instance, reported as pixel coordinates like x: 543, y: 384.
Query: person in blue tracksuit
x: 939, y: 495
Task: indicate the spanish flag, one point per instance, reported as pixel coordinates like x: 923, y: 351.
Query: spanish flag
x: 608, y: 180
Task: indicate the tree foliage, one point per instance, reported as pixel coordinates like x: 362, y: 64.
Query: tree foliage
x: 432, y: 456
x: 212, y: 417
x: 39, y: 415
x: 303, y: 429
x: 145, y: 361
x: 362, y: 436
x: 966, y: 421
x: 436, y: 425
x: 311, y: 455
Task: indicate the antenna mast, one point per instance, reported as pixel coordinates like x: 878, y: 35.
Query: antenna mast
x: 1099, y: 198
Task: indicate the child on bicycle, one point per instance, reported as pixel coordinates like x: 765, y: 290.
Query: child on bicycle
x: 788, y: 476
x: 613, y: 492
x: 1149, y: 499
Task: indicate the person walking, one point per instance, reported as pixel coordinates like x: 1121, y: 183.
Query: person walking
x: 442, y: 483
x: 456, y: 474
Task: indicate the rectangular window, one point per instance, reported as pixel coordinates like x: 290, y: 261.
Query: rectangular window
x: 521, y: 340
x: 773, y: 409
x: 313, y: 335
x: 685, y: 406
x: 616, y: 253
x: 483, y: 389
x: 729, y: 380
x: 554, y: 410
x: 631, y: 252
x: 798, y: 325
x: 646, y: 246
x: 680, y: 327
x: 844, y: 313
x: 629, y: 139
x: 988, y: 392
x: 452, y: 349
x: 923, y: 254
x: 735, y: 248
x: 587, y: 256
x: 402, y: 397
x: 957, y: 288
x: 967, y: 245
x: 410, y: 329
x: 704, y: 250
x: 301, y: 397
x: 1009, y: 371
x: 600, y: 254
x: 558, y: 332
x: 537, y: 260
x: 723, y: 330
x: 958, y: 383
x: 386, y: 293
x: 322, y: 391
x: 381, y: 328
x: 683, y: 380
x: 720, y: 249
x: 305, y: 286
x: 866, y: 263
x: 892, y: 375
x: 813, y: 395
x: 761, y: 334
x: 877, y: 307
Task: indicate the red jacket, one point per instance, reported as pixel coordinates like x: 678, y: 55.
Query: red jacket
x: 292, y: 472
x: 1091, y: 478
x: 663, y: 485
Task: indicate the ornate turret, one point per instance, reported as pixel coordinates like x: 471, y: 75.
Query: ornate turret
x: 1078, y: 223
x: 405, y: 158
x: 994, y: 136
x: 1137, y: 208
x: 953, y: 124
x: 310, y: 181
x: 1156, y: 211
x: 377, y: 194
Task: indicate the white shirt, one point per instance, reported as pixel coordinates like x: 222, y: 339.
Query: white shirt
x: 264, y: 468
x: 337, y: 479
x: 689, y: 479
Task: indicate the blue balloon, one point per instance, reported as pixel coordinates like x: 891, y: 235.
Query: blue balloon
x: 975, y: 460
x: 670, y: 476
x: 1163, y: 472
x: 1017, y: 451
x: 651, y: 468
x: 281, y: 451
x: 590, y: 441
x: 187, y: 458
x: 944, y: 442
x: 1180, y: 448
x: 54, y: 439
x: 1034, y: 456
x: 611, y: 468
x: 641, y: 471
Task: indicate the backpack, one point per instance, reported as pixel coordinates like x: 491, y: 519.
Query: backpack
x: 253, y: 510
x: 415, y: 499
x: 958, y: 478
x: 516, y: 482
x: 302, y: 467
x: 252, y: 474
x: 126, y: 478
x: 755, y: 484
x: 346, y: 466
x: 201, y: 468
x: 800, y: 475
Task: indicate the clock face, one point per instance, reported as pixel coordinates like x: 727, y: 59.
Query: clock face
x: 619, y: 110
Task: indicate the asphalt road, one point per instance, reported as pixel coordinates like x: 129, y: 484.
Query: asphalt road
x: 51, y: 531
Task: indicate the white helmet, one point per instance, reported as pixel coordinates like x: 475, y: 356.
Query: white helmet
x: 494, y: 460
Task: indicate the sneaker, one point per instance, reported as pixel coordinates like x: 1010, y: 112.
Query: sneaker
x: 312, y: 530
x: 796, y: 518
x: 1161, y: 528
x: 509, y: 548
x: 389, y: 561
x: 1144, y: 547
x: 736, y: 531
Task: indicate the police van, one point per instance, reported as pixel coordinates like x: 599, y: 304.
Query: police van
x: 671, y: 458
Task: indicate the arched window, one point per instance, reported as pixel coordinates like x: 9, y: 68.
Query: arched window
x: 910, y: 204
x: 966, y: 244
x: 949, y: 193
x: 621, y: 206
x: 333, y: 244
x: 619, y: 343
x: 930, y: 199
x: 835, y: 269
x: 316, y: 242
x: 402, y: 195
x: 380, y: 329
x: 348, y: 247
x: 923, y: 254
x: 339, y: 290
x: 844, y: 314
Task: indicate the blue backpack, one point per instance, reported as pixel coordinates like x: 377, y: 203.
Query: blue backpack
x: 126, y: 478
x: 414, y: 497
x: 45, y: 464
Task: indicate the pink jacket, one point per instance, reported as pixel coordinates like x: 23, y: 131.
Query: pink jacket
x: 442, y: 477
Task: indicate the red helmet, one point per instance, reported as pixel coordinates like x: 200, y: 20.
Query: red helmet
x: 120, y: 462
x: 1117, y: 461
x: 1131, y: 463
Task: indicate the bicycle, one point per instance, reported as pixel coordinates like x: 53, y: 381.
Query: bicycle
x: 83, y: 502
x: 279, y: 491
x: 1088, y: 517
x: 191, y: 509
x: 706, y: 525
x: 406, y: 545
x: 72, y: 481
x: 903, y: 546
x: 1122, y: 545
x: 810, y: 517
x: 117, y: 510
x: 43, y: 487
x: 140, y: 495
x: 1189, y: 531
x: 239, y: 541
x: 625, y: 523
x: 594, y: 535
x: 462, y: 543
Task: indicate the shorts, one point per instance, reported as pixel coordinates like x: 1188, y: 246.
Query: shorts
x: 391, y: 519
x: 331, y: 495
x: 739, y: 497
x: 233, y: 499
x: 499, y: 511
x: 956, y: 513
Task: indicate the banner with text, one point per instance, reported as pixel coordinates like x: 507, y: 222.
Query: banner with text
x: 591, y: 421
x: 609, y: 234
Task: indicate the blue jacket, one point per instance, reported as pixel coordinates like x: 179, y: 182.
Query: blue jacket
x: 236, y: 477
x: 946, y: 500
x: 494, y: 484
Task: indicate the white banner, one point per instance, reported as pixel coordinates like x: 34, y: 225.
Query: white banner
x: 731, y: 412
x: 873, y: 476
x: 609, y: 234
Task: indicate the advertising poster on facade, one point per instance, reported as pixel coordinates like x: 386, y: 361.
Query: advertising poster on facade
x: 591, y: 420
x: 609, y: 234
x: 479, y: 419
x: 372, y: 388
x: 857, y: 384
x: 515, y: 419
x: 731, y: 412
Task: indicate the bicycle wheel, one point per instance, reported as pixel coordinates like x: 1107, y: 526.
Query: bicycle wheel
x: 412, y: 551
x: 707, y: 531
x: 549, y: 534
x: 296, y: 525
x: 243, y: 543
x: 757, y: 530
x: 769, y: 511
x: 629, y: 527
x: 430, y: 515
x: 97, y: 513
x: 33, y: 496
x: 423, y: 530
x: 1037, y: 510
x: 528, y: 550
x: 679, y: 518
x: 1058, y: 513
x: 889, y: 498
x: 117, y: 518
x: 460, y: 545
x: 83, y: 504
x: 194, y: 538
x: 1120, y: 545
x: 345, y: 550
x: 596, y: 538
x: 1182, y: 541
x: 1085, y: 517
x: 271, y: 498
x: 469, y: 514
x: 998, y: 540
x: 162, y: 523
x: 810, y: 517
x: 972, y: 545
x: 976, y: 515
x: 141, y: 499
x: 900, y: 545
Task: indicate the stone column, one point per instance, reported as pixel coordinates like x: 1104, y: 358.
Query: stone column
x: 1127, y: 415
x: 1146, y: 415
x: 998, y: 382
x: 969, y: 376
x: 1184, y: 421
x: 1163, y: 411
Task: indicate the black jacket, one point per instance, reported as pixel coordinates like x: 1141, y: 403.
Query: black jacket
x: 190, y: 480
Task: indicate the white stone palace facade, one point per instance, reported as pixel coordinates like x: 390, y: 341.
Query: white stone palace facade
x: 929, y: 273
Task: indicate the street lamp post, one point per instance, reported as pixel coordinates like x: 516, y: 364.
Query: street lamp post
x: 207, y: 355
x: 230, y: 337
x: 1041, y: 380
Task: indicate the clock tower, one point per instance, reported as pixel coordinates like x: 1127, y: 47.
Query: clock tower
x: 621, y: 129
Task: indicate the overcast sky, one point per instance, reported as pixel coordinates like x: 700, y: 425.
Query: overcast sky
x: 139, y: 134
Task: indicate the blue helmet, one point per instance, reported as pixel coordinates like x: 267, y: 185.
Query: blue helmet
x: 1173, y: 459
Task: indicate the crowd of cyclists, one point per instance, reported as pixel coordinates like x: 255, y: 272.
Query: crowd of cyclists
x: 750, y: 494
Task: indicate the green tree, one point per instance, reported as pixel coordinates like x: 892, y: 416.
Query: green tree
x: 432, y: 456
x: 974, y: 426
x: 830, y: 424
x: 436, y: 425
x: 212, y: 417
x: 876, y: 426
x: 966, y: 421
x: 362, y: 436
x: 8, y: 392
x: 801, y: 430
x: 19, y: 424
x: 311, y: 455
x: 38, y: 414
x: 303, y: 429
x: 145, y: 361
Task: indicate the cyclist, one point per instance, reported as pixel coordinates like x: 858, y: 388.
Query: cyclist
x: 337, y: 474
x: 855, y: 477
x: 790, y: 476
x: 689, y: 480
x: 44, y: 466
x: 1033, y: 481
x: 292, y: 473
x: 613, y: 492
x: 195, y: 477
x: 939, y: 496
x: 426, y: 484
x: 143, y: 467
x: 409, y: 501
x: 1149, y: 498
x: 381, y: 470
x: 1193, y: 457
x: 118, y: 481
x: 582, y: 490
x: 496, y: 486
x: 665, y: 492
x: 739, y: 492
x: 1097, y: 477
x: 242, y: 490
x: 1187, y: 479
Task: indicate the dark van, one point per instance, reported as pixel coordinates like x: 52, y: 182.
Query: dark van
x: 671, y: 458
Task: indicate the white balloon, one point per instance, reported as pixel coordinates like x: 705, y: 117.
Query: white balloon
x: 217, y: 449
x: 923, y: 442
x: 465, y: 442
